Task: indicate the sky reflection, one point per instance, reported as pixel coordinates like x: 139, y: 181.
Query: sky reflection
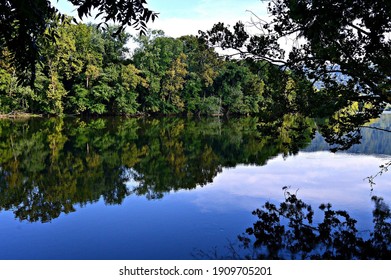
x: 317, y: 177
x: 205, y: 219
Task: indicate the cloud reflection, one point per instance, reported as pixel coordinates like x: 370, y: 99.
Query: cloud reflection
x: 318, y: 177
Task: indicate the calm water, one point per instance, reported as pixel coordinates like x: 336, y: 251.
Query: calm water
x: 169, y: 188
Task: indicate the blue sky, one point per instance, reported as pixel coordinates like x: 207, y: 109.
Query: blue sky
x: 182, y: 17
x: 187, y: 17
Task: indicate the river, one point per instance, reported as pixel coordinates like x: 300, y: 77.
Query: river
x: 170, y: 188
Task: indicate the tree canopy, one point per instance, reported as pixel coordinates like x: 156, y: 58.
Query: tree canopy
x: 88, y: 71
x: 23, y: 24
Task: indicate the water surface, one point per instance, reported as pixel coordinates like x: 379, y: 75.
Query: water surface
x: 169, y: 188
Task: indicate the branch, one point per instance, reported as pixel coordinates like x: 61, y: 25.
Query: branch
x: 242, y: 53
x: 375, y: 128
x: 383, y: 168
x: 359, y: 29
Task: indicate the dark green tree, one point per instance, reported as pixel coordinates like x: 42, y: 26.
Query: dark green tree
x: 161, y: 61
x: 203, y: 65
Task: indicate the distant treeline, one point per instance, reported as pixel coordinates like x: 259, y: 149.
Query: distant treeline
x: 89, y: 71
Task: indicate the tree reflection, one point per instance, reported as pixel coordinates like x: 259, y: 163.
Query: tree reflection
x: 47, y: 167
x: 50, y: 166
x: 288, y: 231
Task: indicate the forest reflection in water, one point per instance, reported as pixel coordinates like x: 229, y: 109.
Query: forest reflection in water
x: 55, y: 166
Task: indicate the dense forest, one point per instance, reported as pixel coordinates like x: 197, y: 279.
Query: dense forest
x: 88, y: 71
x: 50, y: 65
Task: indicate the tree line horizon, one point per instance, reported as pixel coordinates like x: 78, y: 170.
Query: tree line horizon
x: 87, y: 71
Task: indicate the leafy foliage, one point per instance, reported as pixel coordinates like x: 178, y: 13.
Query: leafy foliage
x: 24, y: 25
x: 132, y: 13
